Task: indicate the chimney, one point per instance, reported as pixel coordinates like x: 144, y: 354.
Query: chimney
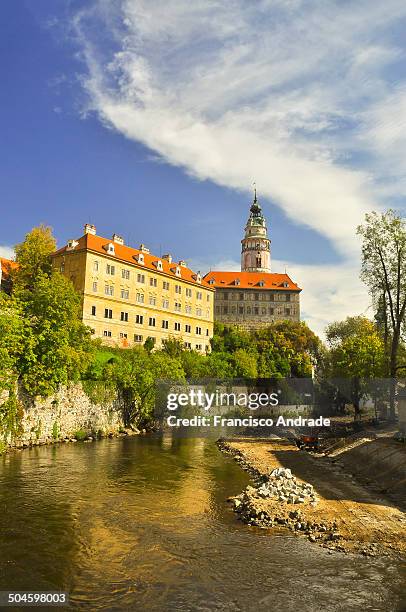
x: 90, y: 229
x: 167, y: 258
x: 182, y: 263
x: 143, y: 248
x: 118, y: 239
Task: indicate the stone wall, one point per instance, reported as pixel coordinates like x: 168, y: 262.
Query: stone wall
x: 66, y: 413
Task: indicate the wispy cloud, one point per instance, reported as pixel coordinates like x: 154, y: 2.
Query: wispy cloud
x: 7, y: 252
x: 307, y: 97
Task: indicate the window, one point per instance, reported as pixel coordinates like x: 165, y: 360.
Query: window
x: 153, y: 282
x: 199, y: 295
x: 241, y: 310
x: 152, y: 338
x: 207, y: 332
x: 287, y: 311
x: 256, y: 310
x: 187, y: 345
x: 93, y: 311
x: 109, y: 290
x: 188, y: 292
x: 188, y: 309
x: 165, y: 324
x: 263, y: 311
x: 152, y: 300
x: 258, y: 262
x: 188, y: 328
x: 159, y: 265
x: 177, y: 326
x: 165, y: 303
x: 110, y: 269
x: 288, y: 297
x: 95, y: 266
x: 123, y: 335
x: 165, y: 285
x: 198, y: 312
x: 139, y: 319
x: 225, y: 309
x: 94, y: 286
x: 198, y: 347
x: 208, y: 298
x: 199, y: 331
x: 152, y: 321
x: 256, y: 298
x: 141, y: 278
x: 225, y: 295
x: 125, y: 294
x: 272, y: 297
x: 140, y: 298
x: 108, y: 313
x: 241, y: 296
x: 271, y: 311
x: 107, y: 333
x: 124, y: 316
x: 178, y: 289
x: 137, y: 338
x: 178, y: 307
x: 125, y: 274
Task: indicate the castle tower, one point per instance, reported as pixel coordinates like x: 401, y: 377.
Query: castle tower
x: 256, y: 246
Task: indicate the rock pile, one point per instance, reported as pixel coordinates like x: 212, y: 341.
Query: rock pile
x: 284, y: 487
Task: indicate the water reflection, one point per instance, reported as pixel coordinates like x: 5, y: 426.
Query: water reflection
x: 141, y: 524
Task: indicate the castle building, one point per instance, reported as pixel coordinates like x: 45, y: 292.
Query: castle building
x: 129, y: 295
x: 254, y: 297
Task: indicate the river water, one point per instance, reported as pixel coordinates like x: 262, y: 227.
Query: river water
x: 142, y: 524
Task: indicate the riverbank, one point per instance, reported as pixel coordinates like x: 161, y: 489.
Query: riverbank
x: 314, y: 497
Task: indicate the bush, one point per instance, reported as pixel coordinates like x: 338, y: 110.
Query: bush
x: 80, y: 435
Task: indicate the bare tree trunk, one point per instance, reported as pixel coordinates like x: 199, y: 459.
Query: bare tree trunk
x: 393, y: 372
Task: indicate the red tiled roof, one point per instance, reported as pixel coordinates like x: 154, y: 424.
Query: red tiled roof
x: 6, y: 266
x: 97, y: 244
x: 251, y: 280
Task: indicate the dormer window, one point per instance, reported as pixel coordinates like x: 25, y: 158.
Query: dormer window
x: 159, y: 265
x: 211, y: 281
x: 285, y: 284
x: 261, y: 283
x: 140, y: 258
x: 177, y: 271
x: 109, y: 248
x: 237, y: 281
x: 72, y: 244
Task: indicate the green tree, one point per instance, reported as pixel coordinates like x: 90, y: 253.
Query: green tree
x: 356, y: 353
x: 33, y: 256
x: 384, y: 272
x: 173, y: 346
x: 136, y: 373
x: 60, y: 342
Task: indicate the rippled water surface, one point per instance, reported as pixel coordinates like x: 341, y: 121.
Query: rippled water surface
x: 142, y: 524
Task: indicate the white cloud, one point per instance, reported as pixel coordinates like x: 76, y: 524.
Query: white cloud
x: 300, y: 96
x: 7, y: 252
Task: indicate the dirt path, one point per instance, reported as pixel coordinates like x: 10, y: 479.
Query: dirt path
x: 354, y: 518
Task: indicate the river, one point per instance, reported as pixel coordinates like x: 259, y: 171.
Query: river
x: 142, y: 524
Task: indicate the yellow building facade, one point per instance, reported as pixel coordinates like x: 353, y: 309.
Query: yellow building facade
x: 129, y: 295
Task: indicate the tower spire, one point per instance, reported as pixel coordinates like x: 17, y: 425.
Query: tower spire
x: 255, y: 252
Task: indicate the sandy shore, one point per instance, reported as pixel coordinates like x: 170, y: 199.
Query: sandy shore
x: 347, y: 515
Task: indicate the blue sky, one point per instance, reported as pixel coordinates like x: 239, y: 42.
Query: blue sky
x: 152, y: 119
